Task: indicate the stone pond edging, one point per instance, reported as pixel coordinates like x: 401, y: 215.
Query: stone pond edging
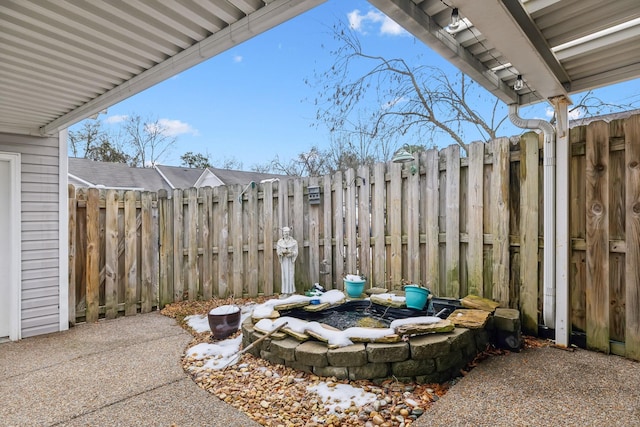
x: 428, y: 358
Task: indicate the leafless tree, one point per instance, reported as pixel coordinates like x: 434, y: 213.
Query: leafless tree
x: 91, y: 141
x: 147, y: 140
x: 405, y: 98
x: 307, y: 163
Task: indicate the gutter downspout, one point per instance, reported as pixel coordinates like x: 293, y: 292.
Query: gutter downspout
x: 549, y: 174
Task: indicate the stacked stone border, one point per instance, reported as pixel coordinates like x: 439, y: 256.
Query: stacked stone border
x: 431, y: 358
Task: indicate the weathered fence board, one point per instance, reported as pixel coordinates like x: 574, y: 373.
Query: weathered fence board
x: 252, y: 242
x: 192, y: 242
x: 350, y: 218
x: 500, y: 214
x: 364, y: 220
x: 379, y: 263
x: 475, y: 228
x: 130, y: 253
x: 597, y: 289
x: 111, y: 255
x: 412, y: 229
x: 529, y: 167
x: 338, y: 229
x: 92, y: 270
x: 268, y: 229
x: 178, y: 244
x: 632, y: 236
x: 148, y: 252
x: 452, y: 228
x: 432, y: 209
x: 72, y: 297
x: 206, y: 223
x: 394, y: 208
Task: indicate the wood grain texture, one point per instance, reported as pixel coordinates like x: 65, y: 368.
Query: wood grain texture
x: 111, y: 255
x: 130, y: 254
x: 632, y: 234
x: 529, y: 217
x: 475, y: 212
x: 452, y: 247
x: 92, y: 270
x: 597, y: 199
x: 500, y: 215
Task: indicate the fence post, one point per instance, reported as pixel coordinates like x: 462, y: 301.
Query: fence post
x: 178, y: 245
x: 314, y: 238
x: 394, y: 196
x: 238, y: 246
x: 500, y: 215
x: 111, y: 255
x: 597, y: 182
x: 192, y: 244
x: 379, y: 262
x: 529, y: 208
x: 475, y: 218
x: 338, y: 214
x: 452, y: 212
x: 130, y: 253
x: 252, y: 240
x: 92, y: 272
x: 206, y: 223
x: 72, y: 203
x: 269, y: 226
x: 149, y: 249
x: 165, y: 231
x: 432, y: 211
x: 222, y: 226
x: 632, y: 232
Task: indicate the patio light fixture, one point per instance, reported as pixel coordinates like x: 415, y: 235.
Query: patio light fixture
x: 519, y: 84
x: 455, y: 20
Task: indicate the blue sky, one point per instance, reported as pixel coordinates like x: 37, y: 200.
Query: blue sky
x: 250, y: 103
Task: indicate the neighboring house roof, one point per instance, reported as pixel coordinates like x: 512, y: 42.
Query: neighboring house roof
x: 88, y: 173
x: 230, y: 177
x: 180, y: 177
x: 115, y: 175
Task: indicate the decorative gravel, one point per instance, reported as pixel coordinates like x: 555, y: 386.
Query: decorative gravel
x: 276, y: 395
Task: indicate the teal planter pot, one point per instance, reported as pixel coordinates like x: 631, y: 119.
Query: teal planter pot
x: 354, y: 288
x: 416, y: 296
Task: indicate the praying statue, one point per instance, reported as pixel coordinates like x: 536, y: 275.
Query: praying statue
x: 287, y: 249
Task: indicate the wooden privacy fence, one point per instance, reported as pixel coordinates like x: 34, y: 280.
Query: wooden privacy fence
x: 460, y: 226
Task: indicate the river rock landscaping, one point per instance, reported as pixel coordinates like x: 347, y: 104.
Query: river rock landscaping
x: 303, y: 384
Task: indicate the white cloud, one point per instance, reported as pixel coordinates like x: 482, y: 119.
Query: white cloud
x: 391, y: 27
x: 371, y: 20
x: 393, y: 102
x: 237, y: 58
x: 116, y: 118
x: 175, y: 127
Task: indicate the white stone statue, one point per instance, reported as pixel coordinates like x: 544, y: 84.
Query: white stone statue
x: 287, y: 248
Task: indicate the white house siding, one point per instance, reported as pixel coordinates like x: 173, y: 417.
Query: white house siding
x: 40, y: 286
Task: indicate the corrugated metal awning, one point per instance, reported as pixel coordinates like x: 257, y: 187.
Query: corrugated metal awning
x: 559, y: 47
x: 64, y: 60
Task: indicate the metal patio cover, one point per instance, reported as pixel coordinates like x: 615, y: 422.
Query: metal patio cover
x: 64, y: 60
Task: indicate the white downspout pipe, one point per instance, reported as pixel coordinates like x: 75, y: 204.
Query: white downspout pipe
x: 549, y: 173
